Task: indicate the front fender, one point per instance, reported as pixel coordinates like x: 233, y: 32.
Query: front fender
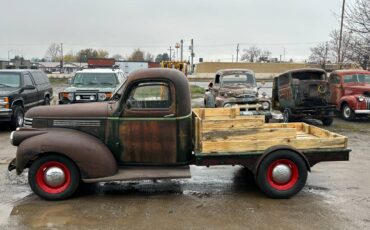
x: 351, y: 100
x: 90, y: 155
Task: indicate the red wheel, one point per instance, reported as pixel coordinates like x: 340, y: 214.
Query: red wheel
x: 54, y: 177
x: 282, y: 174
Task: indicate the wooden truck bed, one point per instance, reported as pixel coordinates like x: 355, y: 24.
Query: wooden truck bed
x: 224, y: 131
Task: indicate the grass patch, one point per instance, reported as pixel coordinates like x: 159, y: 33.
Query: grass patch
x: 58, y: 81
x: 196, y: 91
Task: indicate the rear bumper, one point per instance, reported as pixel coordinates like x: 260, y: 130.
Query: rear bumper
x: 367, y: 111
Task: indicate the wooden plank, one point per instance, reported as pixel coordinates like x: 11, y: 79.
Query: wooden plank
x: 235, y: 124
x: 199, y: 133
x: 251, y: 134
x: 211, y: 112
x: 261, y: 145
x: 318, y: 132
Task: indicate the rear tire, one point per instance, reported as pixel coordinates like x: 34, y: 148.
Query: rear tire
x: 327, y: 121
x: 18, y: 117
x: 282, y: 174
x: 287, y: 116
x: 46, y: 100
x: 54, y: 177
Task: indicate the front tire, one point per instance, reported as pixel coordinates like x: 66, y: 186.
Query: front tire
x: 18, y: 117
x: 282, y: 174
x: 47, y: 101
x: 347, y: 113
x: 54, y: 177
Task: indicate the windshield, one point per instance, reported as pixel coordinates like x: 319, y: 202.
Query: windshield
x: 10, y: 80
x: 238, y: 79
x: 362, y: 78
x: 309, y: 75
x: 95, y: 79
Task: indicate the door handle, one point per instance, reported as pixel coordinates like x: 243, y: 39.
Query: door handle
x: 169, y: 115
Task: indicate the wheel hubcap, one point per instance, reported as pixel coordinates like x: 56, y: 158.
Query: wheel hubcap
x: 281, y: 173
x: 20, y: 119
x: 346, y: 111
x: 54, y: 176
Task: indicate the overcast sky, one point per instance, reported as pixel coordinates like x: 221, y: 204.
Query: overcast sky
x: 119, y: 26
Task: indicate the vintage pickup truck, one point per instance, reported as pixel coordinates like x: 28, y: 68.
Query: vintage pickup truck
x: 149, y: 131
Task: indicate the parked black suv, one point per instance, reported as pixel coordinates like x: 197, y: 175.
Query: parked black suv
x: 21, y: 89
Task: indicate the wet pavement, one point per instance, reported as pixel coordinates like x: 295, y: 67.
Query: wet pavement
x: 337, y: 196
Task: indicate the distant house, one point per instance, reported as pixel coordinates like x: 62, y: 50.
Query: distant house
x: 130, y: 66
x: 17, y: 64
x: 68, y: 67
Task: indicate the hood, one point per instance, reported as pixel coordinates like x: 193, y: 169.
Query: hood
x: 238, y: 92
x: 361, y: 88
x: 101, y: 89
x: 96, y: 109
x: 6, y: 91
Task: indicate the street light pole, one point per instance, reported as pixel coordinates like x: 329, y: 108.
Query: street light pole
x: 340, y: 34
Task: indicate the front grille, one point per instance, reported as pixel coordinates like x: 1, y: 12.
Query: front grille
x: 28, y: 122
x: 367, y: 99
x: 71, y: 123
x: 86, y: 96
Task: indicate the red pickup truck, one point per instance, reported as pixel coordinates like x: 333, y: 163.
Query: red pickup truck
x: 350, y: 91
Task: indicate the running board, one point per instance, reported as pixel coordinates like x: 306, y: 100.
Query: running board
x: 145, y: 173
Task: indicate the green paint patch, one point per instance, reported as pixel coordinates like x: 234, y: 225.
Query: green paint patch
x: 196, y: 91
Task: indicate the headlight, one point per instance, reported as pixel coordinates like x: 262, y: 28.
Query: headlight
x: 4, y: 102
x: 361, y: 98
x: 11, y: 135
x: 69, y: 96
x: 265, y: 105
x: 92, y: 98
x: 228, y: 105
x: 78, y: 98
x: 102, y: 96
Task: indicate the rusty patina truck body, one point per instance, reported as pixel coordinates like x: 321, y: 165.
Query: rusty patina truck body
x: 149, y: 131
x: 350, y: 92
x: 237, y: 88
x: 303, y: 93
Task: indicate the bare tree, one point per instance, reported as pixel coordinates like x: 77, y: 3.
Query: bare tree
x: 118, y: 57
x: 320, y: 54
x: 347, y: 38
x: 358, y: 17
x: 251, y: 54
x: 53, y: 52
x: 149, y: 57
x: 265, y: 56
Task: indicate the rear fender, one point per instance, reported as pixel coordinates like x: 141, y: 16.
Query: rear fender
x: 273, y: 149
x: 90, y: 155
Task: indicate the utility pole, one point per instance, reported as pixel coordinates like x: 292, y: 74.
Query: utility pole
x: 232, y: 57
x: 192, y: 56
x: 170, y: 53
x: 177, y: 46
x: 237, y: 52
x: 326, y: 54
x: 284, y: 54
x: 181, y: 49
x: 340, y: 35
x: 61, y: 57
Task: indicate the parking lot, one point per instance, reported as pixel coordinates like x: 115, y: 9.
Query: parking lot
x: 337, y: 196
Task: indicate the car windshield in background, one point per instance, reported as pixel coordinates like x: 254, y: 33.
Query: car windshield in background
x: 309, y: 75
x: 238, y: 79
x: 10, y: 80
x: 95, y: 79
x: 362, y: 78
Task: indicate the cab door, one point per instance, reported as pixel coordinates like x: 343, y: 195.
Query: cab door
x: 147, y: 127
x: 30, y: 95
x: 336, y: 89
x: 285, y: 92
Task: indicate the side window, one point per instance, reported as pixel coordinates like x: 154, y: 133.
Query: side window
x: 217, y: 79
x: 150, y: 95
x: 45, y: 77
x: 38, y: 77
x: 27, y: 80
x: 283, y: 80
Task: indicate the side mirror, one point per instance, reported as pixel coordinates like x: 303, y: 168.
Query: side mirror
x: 28, y: 87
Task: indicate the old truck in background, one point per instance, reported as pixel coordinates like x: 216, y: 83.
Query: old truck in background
x: 237, y: 88
x: 350, y: 92
x: 149, y: 131
x: 303, y: 93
